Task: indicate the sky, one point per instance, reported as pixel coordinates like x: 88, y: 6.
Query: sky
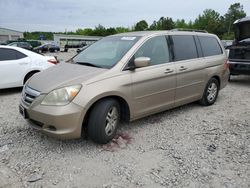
x: 69, y: 15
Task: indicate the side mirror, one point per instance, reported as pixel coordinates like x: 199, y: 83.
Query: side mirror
x: 142, y: 62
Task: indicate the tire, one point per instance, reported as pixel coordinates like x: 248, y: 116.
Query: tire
x: 210, y: 93
x: 103, y: 121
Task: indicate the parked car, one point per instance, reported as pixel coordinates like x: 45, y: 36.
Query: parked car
x: 17, y: 65
x: 24, y: 45
x: 125, y: 77
x: 47, y: 48
x: 239, y: 52
x: 34, y: 43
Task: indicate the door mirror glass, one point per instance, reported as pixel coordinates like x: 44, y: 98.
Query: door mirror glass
x: 142, y: 62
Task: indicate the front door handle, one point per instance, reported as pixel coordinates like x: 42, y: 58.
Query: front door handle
x: 167, y: 71
x: 182, y: 68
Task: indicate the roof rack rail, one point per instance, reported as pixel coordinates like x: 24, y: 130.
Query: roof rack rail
x: 191, y: 30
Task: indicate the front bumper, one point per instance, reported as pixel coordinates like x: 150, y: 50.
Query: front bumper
x: 63, y: 122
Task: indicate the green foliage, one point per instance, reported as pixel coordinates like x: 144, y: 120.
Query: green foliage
x: 228, y: 36
x: 122, y: 29
x: 162, y: 24
x: 209, y: 20
x: 141, y: 25
x: 36, y: 35
x: 234, y: 13
x: 181, y: 24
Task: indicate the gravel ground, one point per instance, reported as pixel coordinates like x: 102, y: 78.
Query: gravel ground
x: 190, y: 146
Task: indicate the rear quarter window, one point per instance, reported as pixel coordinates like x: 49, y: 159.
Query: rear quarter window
x: 20, y: 55
x: 210, y: 46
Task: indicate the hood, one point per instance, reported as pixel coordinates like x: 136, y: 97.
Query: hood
x: 64, y: 74
x: 242, y: 28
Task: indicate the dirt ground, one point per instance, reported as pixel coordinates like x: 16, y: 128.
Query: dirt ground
x: 190, y: 146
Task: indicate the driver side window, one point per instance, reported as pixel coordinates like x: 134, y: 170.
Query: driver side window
x: 156, y: 49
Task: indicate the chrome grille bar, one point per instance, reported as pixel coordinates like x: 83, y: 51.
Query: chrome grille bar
x: 29, y: 95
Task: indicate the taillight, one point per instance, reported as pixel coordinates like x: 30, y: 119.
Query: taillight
x: 53, y: 61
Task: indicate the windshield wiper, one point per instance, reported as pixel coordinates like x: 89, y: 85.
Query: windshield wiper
x: 88, y: 64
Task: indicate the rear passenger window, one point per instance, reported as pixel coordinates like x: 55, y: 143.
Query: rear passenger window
x: 184, y: 47
x: 210, y: 46
x: 7, y: 54
x: 156, y: 49
x: 10, y: 54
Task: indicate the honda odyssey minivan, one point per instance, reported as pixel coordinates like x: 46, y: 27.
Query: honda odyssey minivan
x: 124, y: 77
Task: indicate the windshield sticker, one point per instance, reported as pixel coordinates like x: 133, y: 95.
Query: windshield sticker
x: 128, y: 38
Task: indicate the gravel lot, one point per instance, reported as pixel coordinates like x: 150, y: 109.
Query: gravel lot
x: 190, y: 146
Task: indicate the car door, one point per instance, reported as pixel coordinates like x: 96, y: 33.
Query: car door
x: 13, y: 65
x: 153, y: 86
x: 190, y: 69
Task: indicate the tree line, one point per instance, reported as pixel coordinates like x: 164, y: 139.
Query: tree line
x: 209, y: 20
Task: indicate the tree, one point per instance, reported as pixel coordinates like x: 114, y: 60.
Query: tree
x: 181, y: 24
x: 141, y: 26
x: 153, y: 26
x: 210, y: 21
x: 162, y: 24
x: 37, y: 34
x: 99, y: 31
x: 80, y: 31
x: 88, y: 31
x: 111, y: 31
x: 234, y: 13
x: 122, y: 29
x: 165, y: 24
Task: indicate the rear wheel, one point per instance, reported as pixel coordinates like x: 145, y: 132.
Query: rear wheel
x: 104, y: 120
x: 210, y: 93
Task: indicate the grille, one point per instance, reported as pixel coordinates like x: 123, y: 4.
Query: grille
x: 29, y: 95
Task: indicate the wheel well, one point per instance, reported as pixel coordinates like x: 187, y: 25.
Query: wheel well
x: 217, y: 78
x: 125, y: 111
x: 28, y: 75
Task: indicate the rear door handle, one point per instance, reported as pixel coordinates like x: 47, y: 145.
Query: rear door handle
x: 182, y: 68
x: 167, y: 71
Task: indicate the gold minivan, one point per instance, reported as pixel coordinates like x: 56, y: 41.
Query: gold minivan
x: 124, y: 77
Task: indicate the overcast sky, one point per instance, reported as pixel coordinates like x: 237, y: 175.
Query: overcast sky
x: 61, y: 15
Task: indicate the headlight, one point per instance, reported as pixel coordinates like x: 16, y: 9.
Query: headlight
x: 61, y: 96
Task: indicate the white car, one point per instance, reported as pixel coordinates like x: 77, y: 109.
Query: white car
x: 17, y: 65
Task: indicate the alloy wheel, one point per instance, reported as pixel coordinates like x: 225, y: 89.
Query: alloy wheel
x: 111, y: 121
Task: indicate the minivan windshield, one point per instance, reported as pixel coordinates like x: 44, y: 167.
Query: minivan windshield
x: 106, y: 52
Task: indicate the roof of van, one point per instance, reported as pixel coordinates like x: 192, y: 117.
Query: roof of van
x: 149, y: 33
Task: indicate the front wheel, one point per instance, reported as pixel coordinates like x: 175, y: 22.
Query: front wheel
x: 210, y: 93
x: 104, y: 120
